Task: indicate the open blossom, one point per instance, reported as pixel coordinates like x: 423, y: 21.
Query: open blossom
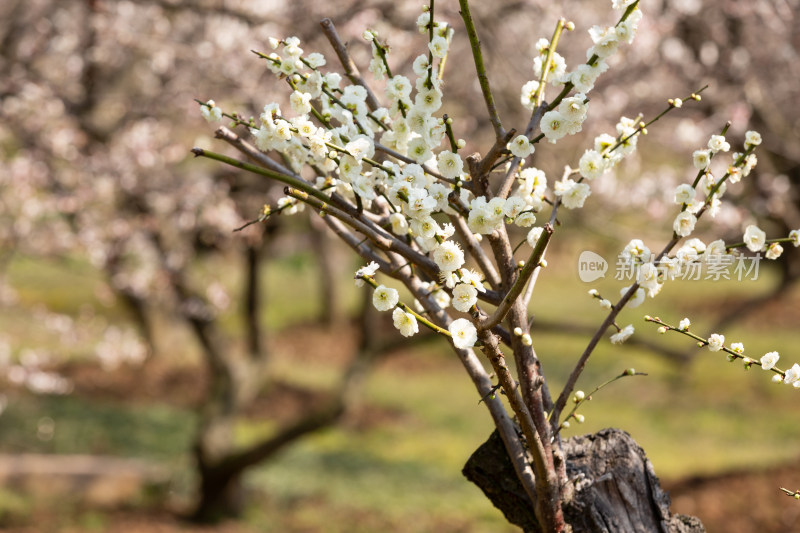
x: 520, y: 146
x: 463, y: 333
x: 795, y: 236
x: 754, y: 238
x: 684, y: 324
x: 752, y: 138
x: 385, y: 298
x: 592, y: 165
x: 684, y: 223
x: 717, y: 143
x: 622, y: 335
x: 716, y: 342
x: 405, y: 322
x: 701, y: 159
x: 637, y: 298
x: 572, y: 194
x: 448, y: 256
x: 464, y: 297
x: 450, y: 164
x: 774, y: 251
x: 684, y: 194
x: 211, y: 112
x: 792, y: 375
x: 769, y: 360
x: 554, y: 125
x: 366, y: 271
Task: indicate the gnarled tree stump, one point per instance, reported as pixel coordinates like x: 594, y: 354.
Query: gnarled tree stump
x: 616, y: 490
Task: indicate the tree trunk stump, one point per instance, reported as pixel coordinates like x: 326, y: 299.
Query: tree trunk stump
x: 616, y: 490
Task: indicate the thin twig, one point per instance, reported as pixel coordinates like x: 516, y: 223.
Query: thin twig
x: 477, y: 55
x: 350, y: 68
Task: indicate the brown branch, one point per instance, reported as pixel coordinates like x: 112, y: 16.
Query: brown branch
x: 350, y: 68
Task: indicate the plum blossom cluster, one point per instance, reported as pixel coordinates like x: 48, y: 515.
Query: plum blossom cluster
x: 735, y: 351
x: 334, y: 130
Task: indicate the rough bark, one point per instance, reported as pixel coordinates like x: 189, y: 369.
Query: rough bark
x: 616, y: 490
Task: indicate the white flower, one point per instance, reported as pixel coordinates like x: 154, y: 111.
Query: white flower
x: 684, y: 194
x: 636, y: 250
x: 792, y: 375
x: 448, y: 256
x: 211, y: 112
x: 533, y: 236
x: 553, y: 125
x: 774, y: 251
x: 526, y: 219
x: 399, y: 224
x: 450, y: 164
x: 300, y: 102
x: 716, y: 342
x: 385, y: 298
x: 637, y: 298
x: 573, y: 195
x: 605, y: 304
x: 405, y: 322
x: 684, y: 223
x: 622, y: 335
x: 714, y: 251
x: 795, y: 236
x: 528, y: 93
x: 754, y: 238
x: 737, y: 347
x: 464, y: 297
x: 717, y: 143
x: 463, y: 333
x: 752, y: 138
x: 684, y: 324
x: 592, y: 165
x: 520, y: 146
x: 769, y: 360
x: 360, y: 147
x: 701, y: 159
x: 366, y: 271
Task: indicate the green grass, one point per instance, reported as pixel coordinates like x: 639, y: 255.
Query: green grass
x: 400, y: 470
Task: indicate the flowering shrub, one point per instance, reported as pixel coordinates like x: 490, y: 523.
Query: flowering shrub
x: 391, y: 182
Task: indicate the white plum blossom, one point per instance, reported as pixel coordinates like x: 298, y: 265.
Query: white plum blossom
x: 752, y: 138
x: 592, y: 165
x: 448, y: 256
x: 405, y: 322
x: 533, y: 236
x: 684, y: 194
x: 754, y: 238
x: 399, y: 224
x: 769, y: 360
x: 716, y: 342
x: 366, y: 271
x: 684, y: 324
x: 794, y: 235
x: 449, y: 164
x: 701, y: 159
x: 636, y: 300
x: 717, y: 143
x: 774, y: 251
x: 554, y: 125
x: 684, y: 223
x: 211, y: 112
x: 572, y: 194
x: 385, y: 298
x: 623, y: 335
x: 792, y: 376
x: 464, y: 297
x: 463, y: 333
x: 520, y: 146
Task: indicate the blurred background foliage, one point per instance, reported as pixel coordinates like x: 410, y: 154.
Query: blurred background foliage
x: 115, y: 245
